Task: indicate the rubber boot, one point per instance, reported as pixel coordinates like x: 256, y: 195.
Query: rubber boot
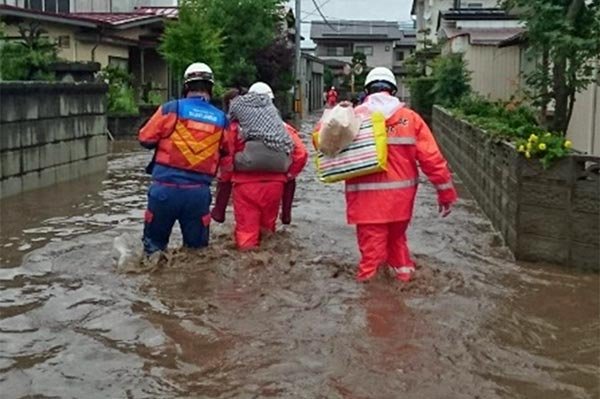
x: 286, y: 203
x: 221, y: 201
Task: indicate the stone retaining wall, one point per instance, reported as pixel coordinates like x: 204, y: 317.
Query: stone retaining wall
x: 544, y: 215
x: 128, y: 126
x: 50, y: 133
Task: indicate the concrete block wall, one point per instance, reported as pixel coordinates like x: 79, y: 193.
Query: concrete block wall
x: 50, y: 133
x: 544, y: 215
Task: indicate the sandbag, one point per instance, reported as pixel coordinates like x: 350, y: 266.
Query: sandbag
x: 257, y: 157
x: 339, y: 127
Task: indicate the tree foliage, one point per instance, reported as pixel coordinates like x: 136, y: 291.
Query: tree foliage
x: 193, y: 38
x: 29, y: 58
x: 274, y: 65
x: 452, y: 79
x: 239, y: 39
x: 359, y: 79
x: 328, y: 77
x: 250, y: 27
x: 564, y: 38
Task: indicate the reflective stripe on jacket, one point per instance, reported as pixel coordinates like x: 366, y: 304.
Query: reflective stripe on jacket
x: 236, y: 144
x: 187, y: 135
x: 389, y: 196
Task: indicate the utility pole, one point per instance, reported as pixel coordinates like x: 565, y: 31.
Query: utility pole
x: 298, y: 55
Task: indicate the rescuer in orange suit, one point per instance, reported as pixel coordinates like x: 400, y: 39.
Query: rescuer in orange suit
x: 257, y: 196
x: 187, y: 135
x: 381, y: 204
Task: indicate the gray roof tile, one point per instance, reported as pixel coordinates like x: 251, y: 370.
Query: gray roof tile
x: 353, y: 29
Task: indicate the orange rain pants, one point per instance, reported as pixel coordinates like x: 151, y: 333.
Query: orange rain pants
x: 382, y: 243
x: 255, y: 208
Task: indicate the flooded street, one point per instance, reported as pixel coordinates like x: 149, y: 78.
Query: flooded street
x: 288, y: 321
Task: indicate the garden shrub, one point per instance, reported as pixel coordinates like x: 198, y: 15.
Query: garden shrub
x: 121, y: 96
x: 516, y: 123
x: 452, y: 79
x: 421, y: 95
x: 28, y: 58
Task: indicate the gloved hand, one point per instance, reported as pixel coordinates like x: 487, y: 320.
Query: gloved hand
x: 288, y: 199
x: 221, y: 201
x: 445, y: 209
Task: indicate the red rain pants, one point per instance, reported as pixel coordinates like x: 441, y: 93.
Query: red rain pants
x: 382, y: 243
x: 255, y: 208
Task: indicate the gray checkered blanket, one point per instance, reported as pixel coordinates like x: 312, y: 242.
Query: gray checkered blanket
x: 260, y: 120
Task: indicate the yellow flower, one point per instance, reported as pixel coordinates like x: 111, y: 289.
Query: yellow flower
x: 529, y: 146
x: 527, y: 155
x: 533, y: 138
x: 542, y: 146
x: 521, y: 148
x: 568, y: 144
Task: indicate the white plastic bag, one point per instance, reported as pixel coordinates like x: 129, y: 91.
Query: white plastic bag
x: 339, y: 127
x: 128, y: 252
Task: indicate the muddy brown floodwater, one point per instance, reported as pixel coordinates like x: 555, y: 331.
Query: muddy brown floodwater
x: 285, y: 322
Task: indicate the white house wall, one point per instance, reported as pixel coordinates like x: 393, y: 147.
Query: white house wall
x: 494, y: 71
x: 383, y: 53
x: 499, y: 24
x: 584, y: 129
x: 428, y: 12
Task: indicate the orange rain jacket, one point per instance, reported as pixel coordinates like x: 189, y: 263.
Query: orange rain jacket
x: 389, y: 196
x: 188, y: 135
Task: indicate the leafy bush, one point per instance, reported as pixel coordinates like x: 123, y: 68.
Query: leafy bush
x: 548, y: 147
x: 421, y: 95
x: 505, y: 120
x: 121, y: 96
x: 30, y: 58
x: 122, y: 101
x: 514, y: 122
x: 151, y: 94
x: 451, y: 79
x: 155, y: 98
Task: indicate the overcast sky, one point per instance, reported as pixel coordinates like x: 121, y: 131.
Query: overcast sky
x: 383, y: 10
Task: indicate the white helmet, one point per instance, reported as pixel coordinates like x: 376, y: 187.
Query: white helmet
x: 262, y: 88
x: 198, y: 71
x: 381, y: 74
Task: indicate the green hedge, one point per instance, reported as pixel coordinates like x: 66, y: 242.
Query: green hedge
x: 421, y: 96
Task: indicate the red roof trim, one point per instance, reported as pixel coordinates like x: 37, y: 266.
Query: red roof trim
x: 98, y: 19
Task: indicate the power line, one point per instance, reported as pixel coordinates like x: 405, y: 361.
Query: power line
x: 314, y: 11
x: 318, y: 8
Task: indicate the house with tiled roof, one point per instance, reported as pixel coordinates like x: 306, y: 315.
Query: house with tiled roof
x: 86, y: 31
x: 476, y: 33
x: 382, y: 42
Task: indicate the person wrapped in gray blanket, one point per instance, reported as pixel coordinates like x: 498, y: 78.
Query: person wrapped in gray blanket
x: 268, y: 145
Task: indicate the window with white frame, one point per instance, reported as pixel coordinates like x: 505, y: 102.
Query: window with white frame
x: 336, y: 50
x: 366, y: 50
x: 55, y: 6
x: 119, y: 62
